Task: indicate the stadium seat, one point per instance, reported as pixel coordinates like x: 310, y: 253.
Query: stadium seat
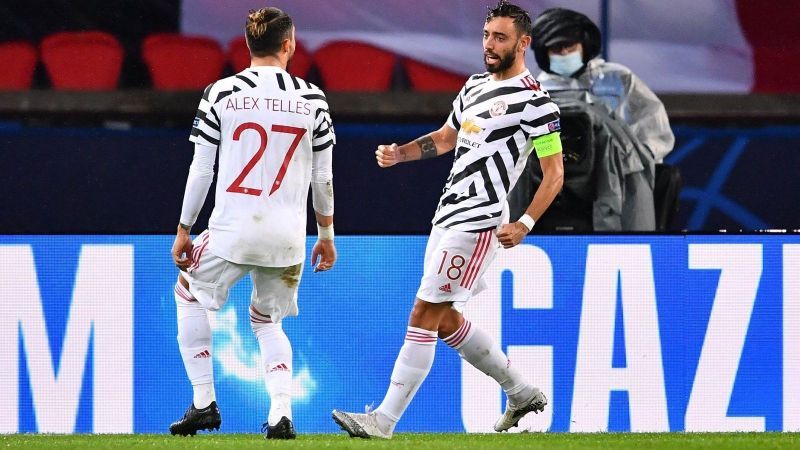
x: 179, y: 62
x: 19, y: 62
x: 238, y: 54
x: 82, y: 60
x: 353, y: 66
x: 774, y: 36
x: 239, y: 58
x: 426, y: 78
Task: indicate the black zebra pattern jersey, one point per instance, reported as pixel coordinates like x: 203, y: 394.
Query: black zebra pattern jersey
x: 496, y: 123
x: 206, y: 127
x: 272, y: 131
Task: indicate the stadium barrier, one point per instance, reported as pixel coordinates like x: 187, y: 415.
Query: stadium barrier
x: 57, y: 178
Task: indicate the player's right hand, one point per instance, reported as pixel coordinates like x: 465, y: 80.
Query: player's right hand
x: 387, y: 155
x: 511, y: 234
x: 182, y: 249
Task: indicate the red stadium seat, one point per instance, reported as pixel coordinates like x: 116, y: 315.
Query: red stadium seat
x: 774, y: 36
x: 353, y: 66
x: 19, y: 62
x: 301, y: 62
x: 238, y: 54
x: 239, y: 58
x: 178, y: 62
x: 424, y: 77
x: 82, y: 60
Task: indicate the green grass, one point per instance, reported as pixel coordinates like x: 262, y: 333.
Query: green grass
x: 549, y: 441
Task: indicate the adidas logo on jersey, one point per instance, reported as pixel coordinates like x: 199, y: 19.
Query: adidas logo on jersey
x: 446, y: 288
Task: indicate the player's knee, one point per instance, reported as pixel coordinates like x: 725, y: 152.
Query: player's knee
x: 419, y: 313
x: 427, y: 315
x: 449, y: 324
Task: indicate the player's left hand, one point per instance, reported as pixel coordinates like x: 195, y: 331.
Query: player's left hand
x: 325, y: 252
x: 512, y: 234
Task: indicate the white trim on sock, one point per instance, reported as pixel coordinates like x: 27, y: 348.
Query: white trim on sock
x: 421, y: 336
x: 461, y: 336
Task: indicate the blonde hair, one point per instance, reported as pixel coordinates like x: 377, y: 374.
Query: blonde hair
x: 257, y: 22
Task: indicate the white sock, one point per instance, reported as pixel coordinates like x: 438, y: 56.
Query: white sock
x: 478, y: 348
x: 194, y: 342
x: 203, y: 395
x: 412, y: 366
x: 276, y: 357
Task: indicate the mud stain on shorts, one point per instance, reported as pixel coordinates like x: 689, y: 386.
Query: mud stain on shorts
x: 291, y: 275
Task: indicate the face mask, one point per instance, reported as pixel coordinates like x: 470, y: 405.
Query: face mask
x: 566, y: 65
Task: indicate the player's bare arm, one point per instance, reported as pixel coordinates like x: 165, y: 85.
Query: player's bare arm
x: 324, y: 250
x: 431, y: 145
x: 512, y: 234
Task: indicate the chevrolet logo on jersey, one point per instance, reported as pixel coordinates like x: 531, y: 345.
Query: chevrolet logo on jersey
x: 470, y: 127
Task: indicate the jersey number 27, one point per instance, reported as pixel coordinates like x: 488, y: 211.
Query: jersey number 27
x: 236, y: 186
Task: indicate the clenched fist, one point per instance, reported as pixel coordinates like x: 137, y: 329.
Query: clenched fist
x: 511, y: 234
x: 387, y: 155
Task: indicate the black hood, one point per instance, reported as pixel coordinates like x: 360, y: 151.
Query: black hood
x: 556, y: 25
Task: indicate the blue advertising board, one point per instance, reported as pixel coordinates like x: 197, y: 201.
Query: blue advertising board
x: 624, y: 333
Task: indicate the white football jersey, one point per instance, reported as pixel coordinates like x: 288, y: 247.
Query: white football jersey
x: 266, y: 125
x: 496, y: 123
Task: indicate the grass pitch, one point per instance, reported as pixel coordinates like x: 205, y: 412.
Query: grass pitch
x: 413, y: 441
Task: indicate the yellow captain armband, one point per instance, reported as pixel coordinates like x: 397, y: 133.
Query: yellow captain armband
x: 547, y: 145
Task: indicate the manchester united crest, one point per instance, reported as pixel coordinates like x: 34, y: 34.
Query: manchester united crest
x: 498, y: 109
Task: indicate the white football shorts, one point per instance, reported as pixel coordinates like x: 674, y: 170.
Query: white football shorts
x: 211, y: 277
x: 455, y: 262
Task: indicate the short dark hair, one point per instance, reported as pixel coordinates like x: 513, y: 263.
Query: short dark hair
x: 522, y: 21
x: 266, y: 29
